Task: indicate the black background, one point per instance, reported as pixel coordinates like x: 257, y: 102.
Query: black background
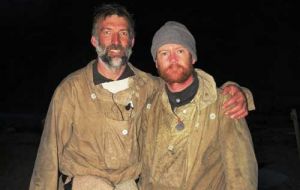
x: 254, y: 43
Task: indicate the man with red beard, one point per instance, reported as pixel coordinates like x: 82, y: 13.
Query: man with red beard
x: 189, y: 143
x: 91, y: 132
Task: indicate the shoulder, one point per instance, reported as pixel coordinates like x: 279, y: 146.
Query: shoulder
x: 72, y: 78
x: 152, y: 81
x: 144, y: 75
x: 71, y: 82
x: 207, y: 82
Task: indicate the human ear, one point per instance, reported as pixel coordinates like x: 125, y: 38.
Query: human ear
x: 94, y: 41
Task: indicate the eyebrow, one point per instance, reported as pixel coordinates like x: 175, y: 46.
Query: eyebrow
x: 162, y: 50
x: 108, y: 28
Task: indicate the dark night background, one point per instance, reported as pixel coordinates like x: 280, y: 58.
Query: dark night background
x: 254, y: 43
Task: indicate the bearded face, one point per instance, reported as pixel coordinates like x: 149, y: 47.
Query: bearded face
x: 114, y: 56
x: 175, y: 72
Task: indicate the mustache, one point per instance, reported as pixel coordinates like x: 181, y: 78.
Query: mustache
x: 172, y: 66
x: 114, y: 47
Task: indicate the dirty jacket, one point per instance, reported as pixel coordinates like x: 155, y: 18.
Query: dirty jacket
x: 212, y: 152
x: 88, y: 130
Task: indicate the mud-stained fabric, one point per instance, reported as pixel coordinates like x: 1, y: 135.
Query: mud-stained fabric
x: 89, y: 131
x: 212, y: 152
x: 97, y: 183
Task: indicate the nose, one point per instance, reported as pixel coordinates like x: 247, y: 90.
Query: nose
x: 115, y: 39
x: 173, y: 57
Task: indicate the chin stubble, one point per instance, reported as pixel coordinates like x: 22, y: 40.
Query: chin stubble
x: 113, y: 62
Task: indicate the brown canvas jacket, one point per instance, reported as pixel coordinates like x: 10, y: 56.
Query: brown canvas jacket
x: 212, y: 152
x: 87, y: 133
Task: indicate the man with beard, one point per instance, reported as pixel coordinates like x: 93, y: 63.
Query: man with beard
x: 189, y: 143
x: 90, y: 137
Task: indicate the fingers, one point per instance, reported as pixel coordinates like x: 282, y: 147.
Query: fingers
x: 242, y: 116
x: 238, y: 98
x: 237, y: 112
x: 236, y: 105
x: 226, y: 90
x: 229, y: 89
x: 228, y: 103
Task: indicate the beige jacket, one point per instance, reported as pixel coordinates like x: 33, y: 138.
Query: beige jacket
x: 212, y: 152
x: 86, y: 133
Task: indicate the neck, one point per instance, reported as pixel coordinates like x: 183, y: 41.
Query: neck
x: 112, y: 73
x: 178, y: 87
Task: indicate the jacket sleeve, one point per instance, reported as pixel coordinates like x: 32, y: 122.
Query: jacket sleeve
x: 238, y: 155
x: 246, y: 91
x: 46, y: 169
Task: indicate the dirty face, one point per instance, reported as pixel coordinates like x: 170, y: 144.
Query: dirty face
x: 113, y: 43
x: 174, y: 63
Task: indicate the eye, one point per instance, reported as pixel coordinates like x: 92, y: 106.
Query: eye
x: 180, y: 51
x: 124, y: 33
x: 106, y: 32
x: 163, y: 53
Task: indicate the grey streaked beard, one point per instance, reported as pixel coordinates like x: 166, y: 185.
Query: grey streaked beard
x: 113, y: 62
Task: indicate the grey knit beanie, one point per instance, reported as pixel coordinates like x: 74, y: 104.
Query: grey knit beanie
x: 173, y: 32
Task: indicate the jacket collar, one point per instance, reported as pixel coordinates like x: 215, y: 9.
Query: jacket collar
x: 98, y: 78
x: 206, y: 94
x: 89, y: 75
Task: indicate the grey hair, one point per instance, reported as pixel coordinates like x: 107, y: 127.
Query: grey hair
x: 106, y: 10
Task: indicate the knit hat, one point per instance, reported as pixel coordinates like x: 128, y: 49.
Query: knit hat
x: 173, y: 32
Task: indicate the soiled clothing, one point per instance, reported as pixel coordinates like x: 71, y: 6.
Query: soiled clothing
x: 97, y: 183
x: 90, y: 131
x: 211, y: 152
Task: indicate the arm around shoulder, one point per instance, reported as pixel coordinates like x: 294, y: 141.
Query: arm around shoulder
x: 247, y: 93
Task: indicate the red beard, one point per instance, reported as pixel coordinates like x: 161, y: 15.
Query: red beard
x: 175, y: 73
